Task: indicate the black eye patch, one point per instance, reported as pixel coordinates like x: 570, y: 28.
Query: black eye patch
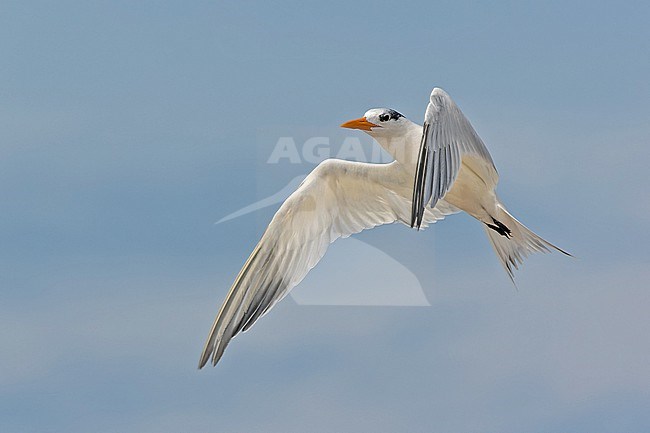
x: 394, y: 114
x: 383, y: 117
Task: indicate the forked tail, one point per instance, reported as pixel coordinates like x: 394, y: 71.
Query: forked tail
x: 513, y: 241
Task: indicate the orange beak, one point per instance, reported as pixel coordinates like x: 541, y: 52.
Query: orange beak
x: 361, y: 123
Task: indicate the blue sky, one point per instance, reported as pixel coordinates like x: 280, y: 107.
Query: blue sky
x: 127, y: 129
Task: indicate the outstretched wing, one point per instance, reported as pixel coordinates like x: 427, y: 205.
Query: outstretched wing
x: 448, y: 139
x: 337, y: 199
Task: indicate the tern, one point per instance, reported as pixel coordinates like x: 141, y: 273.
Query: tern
x: 438, y: 169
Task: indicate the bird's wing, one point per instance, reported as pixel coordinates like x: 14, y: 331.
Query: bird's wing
x: 337, y: 199
x: 447, y: 140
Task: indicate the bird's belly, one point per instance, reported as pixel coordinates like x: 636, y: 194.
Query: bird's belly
x: 470, y: 193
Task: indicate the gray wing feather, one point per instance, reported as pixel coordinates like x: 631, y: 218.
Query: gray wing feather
x: 447, y: 135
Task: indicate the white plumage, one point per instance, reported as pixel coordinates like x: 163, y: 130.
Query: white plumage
x: 439, y: 169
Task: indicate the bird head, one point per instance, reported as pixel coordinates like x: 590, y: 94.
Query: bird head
x: 380, y: 122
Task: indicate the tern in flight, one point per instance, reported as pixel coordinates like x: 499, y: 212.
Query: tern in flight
x: 438, y: 169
